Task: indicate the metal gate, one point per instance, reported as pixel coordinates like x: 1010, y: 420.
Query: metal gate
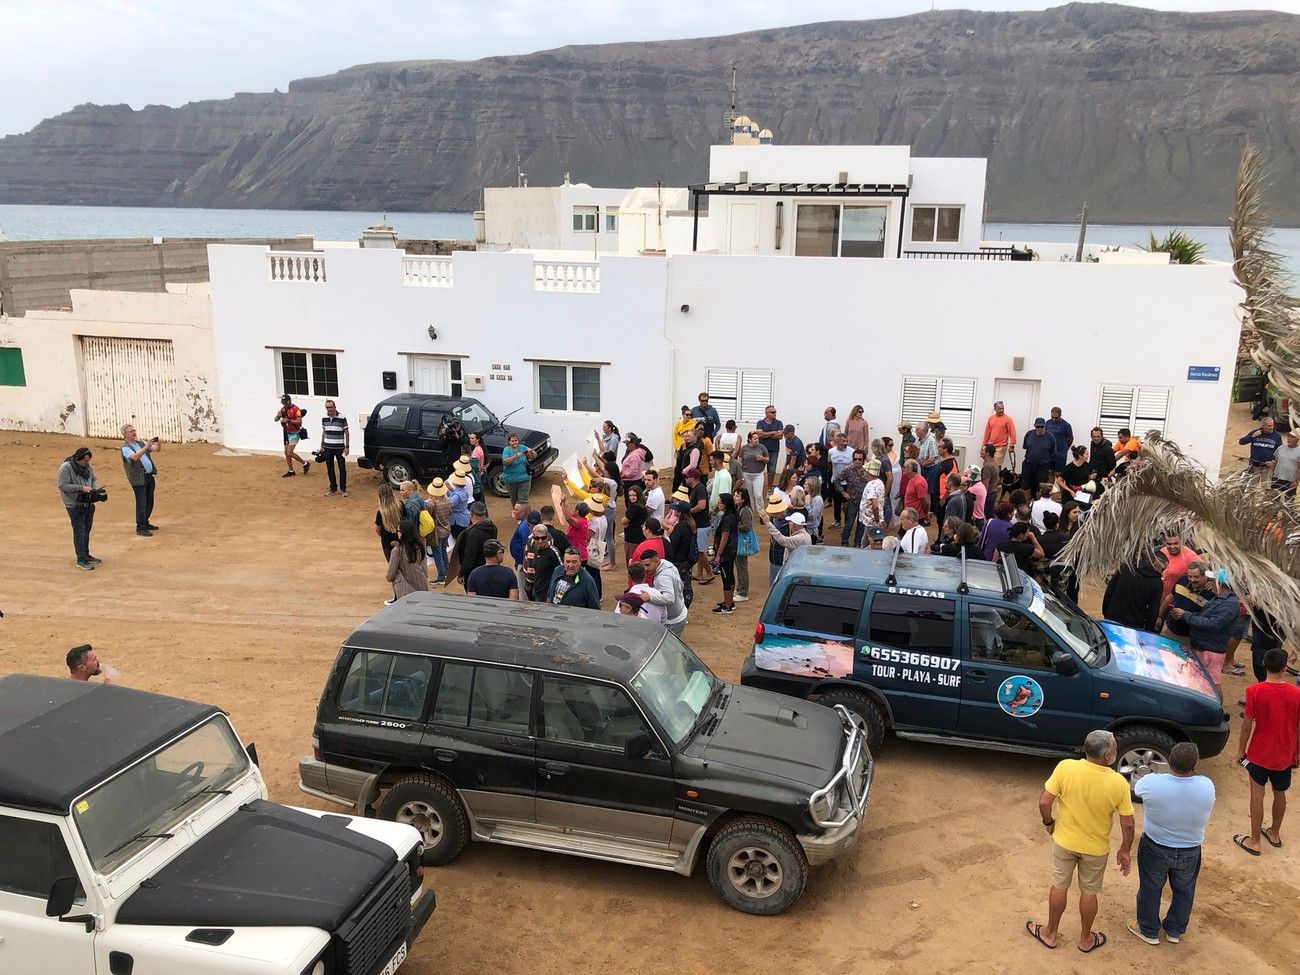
x: 130, y: 380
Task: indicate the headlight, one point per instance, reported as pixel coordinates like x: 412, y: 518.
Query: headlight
x: 823, y: 809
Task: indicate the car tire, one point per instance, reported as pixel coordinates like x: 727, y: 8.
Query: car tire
x: 1140, y: 750
x: 432, y: 807
x: 757, y: 866
x: 397, y: 470
x: 496, y: 481
x: 863, y: 706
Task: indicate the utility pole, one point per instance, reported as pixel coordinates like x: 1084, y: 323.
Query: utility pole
x: 1083, y: 232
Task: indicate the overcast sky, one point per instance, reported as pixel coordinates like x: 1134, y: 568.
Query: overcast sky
x: 60, y: 53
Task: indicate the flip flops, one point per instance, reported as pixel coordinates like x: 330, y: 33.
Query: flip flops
x: 1240, y: 840
x: 1098, y: 939
x: 1275, y: 844
x: 1036, y: 932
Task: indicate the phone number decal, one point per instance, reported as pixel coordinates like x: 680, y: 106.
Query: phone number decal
x: 910, y: 659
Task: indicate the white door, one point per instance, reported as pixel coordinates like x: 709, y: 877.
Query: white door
x: 430, y: 374
x: 743, y: 234
x: 130, y: 380
x: 1020, y: 397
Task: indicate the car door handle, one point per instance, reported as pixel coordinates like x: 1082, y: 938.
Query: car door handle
x: 977, y: 675
x: 444, y: 755
x: 555, y: 768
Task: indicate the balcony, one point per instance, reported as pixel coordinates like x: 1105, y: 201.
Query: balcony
x: 428, y: 272
x: 994, y: 253
x: 574, y: 276
x: 306, y: 267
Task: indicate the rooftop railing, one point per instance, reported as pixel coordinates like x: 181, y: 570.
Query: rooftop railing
x: 574, y: 276
x: 983, y: 254
x: 307, y: 267
x: 428, y: 272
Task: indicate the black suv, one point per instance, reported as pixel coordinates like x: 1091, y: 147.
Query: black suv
x: 584, y: 733
x: 403, y: 439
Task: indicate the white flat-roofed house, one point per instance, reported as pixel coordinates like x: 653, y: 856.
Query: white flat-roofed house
x: 569, y: 217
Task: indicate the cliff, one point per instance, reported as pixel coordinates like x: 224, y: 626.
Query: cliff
x: 1139, y: 112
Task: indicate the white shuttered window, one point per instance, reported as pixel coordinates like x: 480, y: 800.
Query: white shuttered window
x: 953, y: 397
x: 741, y: 394
x: 1140, y: 408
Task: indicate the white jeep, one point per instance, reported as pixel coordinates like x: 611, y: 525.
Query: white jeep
x: 136, y: 839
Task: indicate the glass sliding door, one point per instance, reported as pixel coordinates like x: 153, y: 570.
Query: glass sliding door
x: 816, y: 230
x: 863, y: 233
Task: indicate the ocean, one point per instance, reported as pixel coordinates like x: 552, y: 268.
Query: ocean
x: 22, y: 222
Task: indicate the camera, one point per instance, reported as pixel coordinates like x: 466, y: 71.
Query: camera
x: 318, y: 456
x: 95, y: 496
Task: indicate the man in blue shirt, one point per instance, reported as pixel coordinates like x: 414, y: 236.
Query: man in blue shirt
x: 770, y: 430
x: 709, y: 416
x: 1264, y: 441
x: 1063, y: 434
x: 1176, y: 808
x: 795, y: 455
x: 137, y: 461
x: 1040, y: 456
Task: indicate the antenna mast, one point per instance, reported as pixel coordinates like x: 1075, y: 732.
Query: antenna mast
x: 730, y: 118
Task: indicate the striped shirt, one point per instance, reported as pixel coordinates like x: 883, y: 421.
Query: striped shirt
x: 333, y: 430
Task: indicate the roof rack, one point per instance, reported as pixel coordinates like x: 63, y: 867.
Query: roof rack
x: 963, y: 588
x: 1013, y: 583
x: 892, y: 579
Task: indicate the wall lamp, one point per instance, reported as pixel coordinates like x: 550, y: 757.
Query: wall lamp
x: 433, y: 334
x: 685, y: 309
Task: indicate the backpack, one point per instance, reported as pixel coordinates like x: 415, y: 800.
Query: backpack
x: 427, y: 524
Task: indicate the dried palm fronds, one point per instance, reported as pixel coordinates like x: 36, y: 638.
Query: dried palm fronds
x: 1239, y: 524
x: 1270, y: 322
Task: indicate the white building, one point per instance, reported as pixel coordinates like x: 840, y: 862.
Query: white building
x: 570, y: 217
x: 117, y: 356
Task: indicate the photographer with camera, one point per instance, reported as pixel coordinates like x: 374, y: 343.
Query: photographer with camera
x: 81, y: 491
x: 141, y: 469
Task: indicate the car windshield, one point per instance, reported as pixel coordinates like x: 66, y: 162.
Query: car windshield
x: 1071, y: 625
x: 475, y: 418
x: 117, y: 819
x: 675, y: 685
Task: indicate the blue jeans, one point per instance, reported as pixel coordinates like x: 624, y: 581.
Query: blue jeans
x: 82, y: 517
x: 772, y: 572
x: 1158, y: 865
x: 144, y: 501
x: 439, y: 547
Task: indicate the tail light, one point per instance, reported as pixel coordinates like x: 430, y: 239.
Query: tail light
x: 315, y: 748
x: 758, y: 632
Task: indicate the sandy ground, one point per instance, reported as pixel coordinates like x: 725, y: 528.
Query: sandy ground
x: 245, y: 595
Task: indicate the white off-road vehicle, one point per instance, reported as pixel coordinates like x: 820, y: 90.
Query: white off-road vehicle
x: 136, y: 839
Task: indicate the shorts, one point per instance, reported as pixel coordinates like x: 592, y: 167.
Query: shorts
x: 291, y: 438
x: 703, y: 537
x: 1092, y: 869
x: 1241, y: 628
x: 1280, y: 780
x: 1212, y: 660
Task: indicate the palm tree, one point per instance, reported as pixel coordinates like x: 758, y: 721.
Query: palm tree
x: 1180, y: 246
x: 1239, y: 521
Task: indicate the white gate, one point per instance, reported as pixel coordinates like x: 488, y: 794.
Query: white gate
x: 130, y: 381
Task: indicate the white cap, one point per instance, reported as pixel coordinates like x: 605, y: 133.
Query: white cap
x: 797, y: 518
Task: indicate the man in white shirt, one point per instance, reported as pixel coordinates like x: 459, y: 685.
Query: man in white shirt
x: 841, y: 458
x: 1286, y: 464
x: 654, y: 495
x: 1041, y: 504
x: 914, y: 539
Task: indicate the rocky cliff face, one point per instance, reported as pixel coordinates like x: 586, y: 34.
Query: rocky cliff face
x: 1141, y: 113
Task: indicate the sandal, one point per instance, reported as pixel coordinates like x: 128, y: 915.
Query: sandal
x: 1240, y: 840
x: 1098, y: 939
x: 1275, y: 844
x: 1036, y: 932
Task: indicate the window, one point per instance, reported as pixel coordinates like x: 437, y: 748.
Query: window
x: 822, y: 230
x: 392, y: 417
x: 1140, y: 408
x: 501, y: 700
x: 740, y: 394
x: 587, y: 713
x: 823, y: 609
x: 430, y: 420
x: 584, y: 219
x: 611, y: 221
x: 452, y: 706
x: 953, y: 398
x: 387, y: 684
x: 936, y: 225
x: 309, y: 373
x: 11, y: 367
x: 457, y: 384
x: 1008, y: 636
x: 568, y: 389
x: 32, y: 856
x: 919, y: 623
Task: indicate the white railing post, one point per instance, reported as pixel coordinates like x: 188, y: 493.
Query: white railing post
x: 582, y: 277
x: 307, y: 267
x: 428, y: 272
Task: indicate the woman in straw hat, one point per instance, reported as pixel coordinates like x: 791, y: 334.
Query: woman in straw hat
x: 439, y: 505
x: 458, y: 495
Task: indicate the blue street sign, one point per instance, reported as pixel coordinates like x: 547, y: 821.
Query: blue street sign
x: 1202, y: 374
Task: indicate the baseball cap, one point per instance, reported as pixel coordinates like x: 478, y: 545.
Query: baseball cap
x: 691, y: 472
x: 876, y: 533
x: 796, y: 518
x: 534, y: 518
x: 1040, y: 422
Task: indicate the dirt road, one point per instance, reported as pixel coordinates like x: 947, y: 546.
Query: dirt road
x: 245, y: 595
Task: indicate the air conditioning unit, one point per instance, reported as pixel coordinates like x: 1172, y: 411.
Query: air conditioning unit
x: 475, y: 381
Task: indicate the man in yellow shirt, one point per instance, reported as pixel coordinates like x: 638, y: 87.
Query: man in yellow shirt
x: 1087, y: 793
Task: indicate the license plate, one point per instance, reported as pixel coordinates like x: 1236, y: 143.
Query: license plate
x: 395, y: 962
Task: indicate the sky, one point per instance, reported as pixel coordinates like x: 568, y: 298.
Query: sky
x: 62, y: 53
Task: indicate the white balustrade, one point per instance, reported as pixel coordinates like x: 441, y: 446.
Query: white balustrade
x: 428, y: 272
x: 582, y: 277
x: 307, y: 267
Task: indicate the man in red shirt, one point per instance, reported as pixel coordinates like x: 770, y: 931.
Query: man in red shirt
x: 1268, y: 748
x: 290, y: 418
x: 1177, y: 556
x: 1000, y: 431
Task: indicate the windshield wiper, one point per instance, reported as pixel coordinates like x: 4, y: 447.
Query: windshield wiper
x: 705, y: 713
x: 137, y: 838
x: 201, y: 792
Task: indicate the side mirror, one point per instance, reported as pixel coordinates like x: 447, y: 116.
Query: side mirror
x: 62, y: 893
x: 1064, y: 664
x: 251, y: 749
x: 638, y: 746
